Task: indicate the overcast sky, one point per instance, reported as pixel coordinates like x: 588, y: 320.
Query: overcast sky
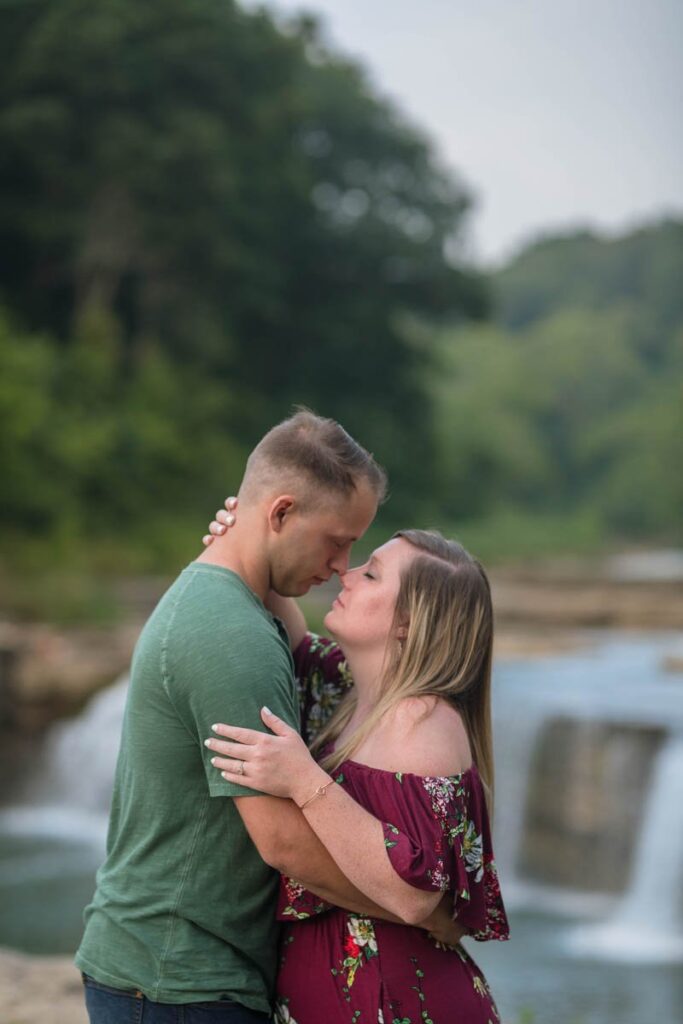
x: 555, y: 114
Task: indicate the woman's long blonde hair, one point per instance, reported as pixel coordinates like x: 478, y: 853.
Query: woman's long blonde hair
x: 444, y: 603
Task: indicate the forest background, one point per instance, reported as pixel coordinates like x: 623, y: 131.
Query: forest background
x: 207, y: 217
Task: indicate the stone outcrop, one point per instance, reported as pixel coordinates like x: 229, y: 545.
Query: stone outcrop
x: 566, y: 599
x: 584, y: 803
x: 46, y: 672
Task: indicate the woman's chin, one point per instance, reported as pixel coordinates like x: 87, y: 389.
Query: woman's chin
x: 328, y: 623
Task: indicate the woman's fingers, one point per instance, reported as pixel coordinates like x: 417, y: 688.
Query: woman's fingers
x: 225, y: 518
x: 227, y: 764
x: 241, y: 780
x: 235, y: 732
x: 240, y: 751
x: 279, y: 727
x: 221, y: 523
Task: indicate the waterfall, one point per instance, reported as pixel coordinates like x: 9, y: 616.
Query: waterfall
x: 646, y: 925
x: 57, y: 826
x: 68, y: 798
x: 82, y: 753
x: 515, y: 737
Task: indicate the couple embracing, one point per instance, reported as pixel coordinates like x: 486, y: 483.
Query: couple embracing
x: 301, y: 825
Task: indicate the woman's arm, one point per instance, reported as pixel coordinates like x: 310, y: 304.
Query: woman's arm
x: 335, y: 817
x: 439, y: 923
x: 281, y: 765
x: 286, y: 842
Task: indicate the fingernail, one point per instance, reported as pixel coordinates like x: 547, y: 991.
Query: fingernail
x: 207, y: 743
x: 215, y: 727
x: 229, y: 519
x: 221, y: 529
x: 267, y: 710
x: 224, y: 774
x: 213, y: 760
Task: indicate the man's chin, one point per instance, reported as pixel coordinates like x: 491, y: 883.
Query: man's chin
x: 293, y: 589
x: 303, y: 588
x: 296, y: 588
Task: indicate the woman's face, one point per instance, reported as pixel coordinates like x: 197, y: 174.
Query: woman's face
x: 363, y: 614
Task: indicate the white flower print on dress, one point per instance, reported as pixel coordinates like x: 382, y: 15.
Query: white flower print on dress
x: 282, y: 1014
x: 361, y: 929
x: 473, y: 851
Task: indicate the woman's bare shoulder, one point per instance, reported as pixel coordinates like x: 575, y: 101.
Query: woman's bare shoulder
x: 421, y: 735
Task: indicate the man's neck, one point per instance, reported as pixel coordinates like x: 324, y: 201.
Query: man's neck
x: 228, y: 553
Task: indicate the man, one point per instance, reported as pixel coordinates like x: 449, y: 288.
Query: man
x: 183, y: 913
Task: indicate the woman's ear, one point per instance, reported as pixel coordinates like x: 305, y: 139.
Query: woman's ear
x: 279, y: 512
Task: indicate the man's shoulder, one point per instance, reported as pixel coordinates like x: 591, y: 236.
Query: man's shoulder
x: 209, y: 609
x: 209, y: 594
x: 212, y: 611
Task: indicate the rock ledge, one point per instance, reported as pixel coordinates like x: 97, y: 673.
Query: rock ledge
x: 36, y: 989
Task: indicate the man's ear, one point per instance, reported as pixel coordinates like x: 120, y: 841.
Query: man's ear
x: 280, y: 510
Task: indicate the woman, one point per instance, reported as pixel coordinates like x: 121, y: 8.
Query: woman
x: 398, y: 793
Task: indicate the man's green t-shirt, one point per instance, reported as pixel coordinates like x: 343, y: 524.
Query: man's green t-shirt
x: 184, y: 908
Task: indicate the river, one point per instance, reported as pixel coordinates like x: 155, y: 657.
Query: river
x: 577, y: 955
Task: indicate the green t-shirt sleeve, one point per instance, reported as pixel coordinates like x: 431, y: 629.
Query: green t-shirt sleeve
x: 228, y: 678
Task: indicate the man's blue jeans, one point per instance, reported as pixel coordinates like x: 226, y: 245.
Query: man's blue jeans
x: 107, y: 1005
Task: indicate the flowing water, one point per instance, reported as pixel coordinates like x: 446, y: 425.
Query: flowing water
x: 575, y: 957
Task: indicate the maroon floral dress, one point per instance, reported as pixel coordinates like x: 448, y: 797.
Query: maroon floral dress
x: 341, y: 968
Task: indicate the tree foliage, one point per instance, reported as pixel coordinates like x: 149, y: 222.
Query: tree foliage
x: 206, y: 216
x: 574, y: 403
x: 229, y: 193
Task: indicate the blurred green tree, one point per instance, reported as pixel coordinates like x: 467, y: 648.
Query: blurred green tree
x: 227, y: 187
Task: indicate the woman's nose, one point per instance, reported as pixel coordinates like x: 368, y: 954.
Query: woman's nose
x: 340, y: 563
x: 348, y: 578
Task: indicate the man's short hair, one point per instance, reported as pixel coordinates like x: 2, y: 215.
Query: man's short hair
x: 313, y: 451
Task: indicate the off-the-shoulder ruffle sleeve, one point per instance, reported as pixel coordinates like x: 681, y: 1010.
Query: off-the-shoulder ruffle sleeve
x: 441, y: 840
x: 323, y: 678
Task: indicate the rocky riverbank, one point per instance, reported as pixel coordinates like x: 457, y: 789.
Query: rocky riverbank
x: 48, y: 672
x: 38, y: 989
x: 578, y: 836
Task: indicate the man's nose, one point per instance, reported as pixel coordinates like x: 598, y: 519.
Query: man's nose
x: 340, y: 563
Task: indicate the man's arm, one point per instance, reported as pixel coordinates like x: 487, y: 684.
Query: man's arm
x: 289, y: 612
x: 287, y: 843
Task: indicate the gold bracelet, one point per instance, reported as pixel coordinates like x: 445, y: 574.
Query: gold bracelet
x: 320, y: 791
